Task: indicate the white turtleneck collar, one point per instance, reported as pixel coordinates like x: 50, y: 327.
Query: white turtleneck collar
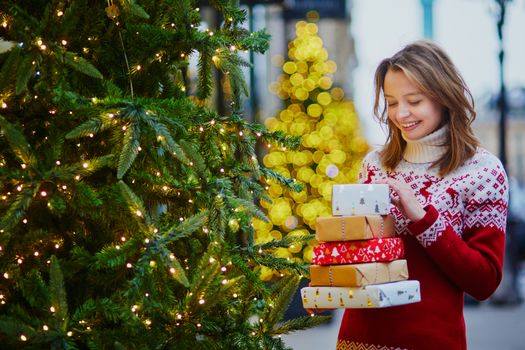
x: 427, y: 149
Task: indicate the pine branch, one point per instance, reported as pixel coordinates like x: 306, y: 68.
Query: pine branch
x: 286, y: 242
x: 79, y: 64
x: 205, y: 80
x: 110, y: 257
x: 134, y: 203
x: 229, y: 10
x: 290, y: 183
x: 300, y: 323
x: 33, y: 289
x: 204, y: 276
x: 16, y: 139
x: 167, y: 140
x: 130, y: 150
x: 254, y: 282
x: 184, y: 228
x: 58, y: 295
x: 25, y: 71
x: 258, y: 41
x: 92, y: 126
x: 87, y: 195
x: 231, y: 65
x: 92, y: 165
x: 103, y: 306
x: 282, y: 264
x: 280, y: 298
x: 131, y: 7
x: 18, y: 208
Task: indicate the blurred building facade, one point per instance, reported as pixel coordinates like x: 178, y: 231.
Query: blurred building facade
x: 487, y: 126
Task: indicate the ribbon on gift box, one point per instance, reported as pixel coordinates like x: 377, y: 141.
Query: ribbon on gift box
x: 357, y: 275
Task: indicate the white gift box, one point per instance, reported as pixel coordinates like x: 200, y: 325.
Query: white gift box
x: 360, y: 199
x: 370, y: 296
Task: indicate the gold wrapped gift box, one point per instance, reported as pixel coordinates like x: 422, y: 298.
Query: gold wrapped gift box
x: 350, y: 228
x: 371, y: 296
x: 357, y: 275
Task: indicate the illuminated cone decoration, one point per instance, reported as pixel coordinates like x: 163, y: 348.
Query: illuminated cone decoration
x: 331, y: 150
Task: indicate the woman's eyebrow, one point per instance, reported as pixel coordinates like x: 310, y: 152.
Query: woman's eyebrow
x: 405, y: 95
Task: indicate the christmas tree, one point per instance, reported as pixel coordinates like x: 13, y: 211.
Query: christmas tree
x: 127, y: 200
x: 331, y: 150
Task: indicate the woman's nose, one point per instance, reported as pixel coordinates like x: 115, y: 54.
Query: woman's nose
x: 403, y: 112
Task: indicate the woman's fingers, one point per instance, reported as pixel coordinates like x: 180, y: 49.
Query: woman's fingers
x: 405, y: 200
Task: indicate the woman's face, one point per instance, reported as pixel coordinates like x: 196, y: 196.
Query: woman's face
x: 412, y: 112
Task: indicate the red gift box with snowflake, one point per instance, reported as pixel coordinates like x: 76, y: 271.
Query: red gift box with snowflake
x: 351, y: 252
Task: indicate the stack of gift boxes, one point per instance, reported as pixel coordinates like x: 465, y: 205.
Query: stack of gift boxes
x: 358, y: 262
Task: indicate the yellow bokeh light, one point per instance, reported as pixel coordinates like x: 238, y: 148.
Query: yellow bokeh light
x: 289, y: 67
x: 276, y: 235
x: 304, y: 174
x: 309, y: 84
x: 312, y: 28
x: 324, y: 98
x: 302, y: 67
x: 337, y: 94
x: 325, y: 83
x: 301, y: 94
x: 326, y: 132
x: 314, y: 110
x: 331, y: 66
x: 296, y: 79
x: 286, y: 115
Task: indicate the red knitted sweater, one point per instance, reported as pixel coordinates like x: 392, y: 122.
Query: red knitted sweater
x: 457, y: 247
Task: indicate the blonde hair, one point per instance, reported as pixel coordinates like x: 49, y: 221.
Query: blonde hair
x: 436, y: 76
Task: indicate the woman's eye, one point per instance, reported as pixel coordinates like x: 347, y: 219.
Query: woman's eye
x: 413, y: 103
x: 392, y: 104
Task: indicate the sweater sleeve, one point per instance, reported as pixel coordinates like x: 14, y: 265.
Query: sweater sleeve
x: 472, y: 259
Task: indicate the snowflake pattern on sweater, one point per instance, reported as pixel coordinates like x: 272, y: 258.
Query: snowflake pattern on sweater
x: 475, y: 195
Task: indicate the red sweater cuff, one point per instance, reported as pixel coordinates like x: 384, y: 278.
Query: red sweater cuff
x: 425, y: 222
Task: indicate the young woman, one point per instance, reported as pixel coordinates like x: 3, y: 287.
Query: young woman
x: 449, y: 200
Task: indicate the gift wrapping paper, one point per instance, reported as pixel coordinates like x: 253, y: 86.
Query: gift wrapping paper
x: 371, y: 296
x: 360, y: 199
x: 351, y: 228
x: 351, y: 252
x: 358, y: 275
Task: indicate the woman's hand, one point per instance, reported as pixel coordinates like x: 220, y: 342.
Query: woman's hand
x: 405, y: 200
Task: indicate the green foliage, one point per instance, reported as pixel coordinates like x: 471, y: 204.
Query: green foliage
x: 127, y: 204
